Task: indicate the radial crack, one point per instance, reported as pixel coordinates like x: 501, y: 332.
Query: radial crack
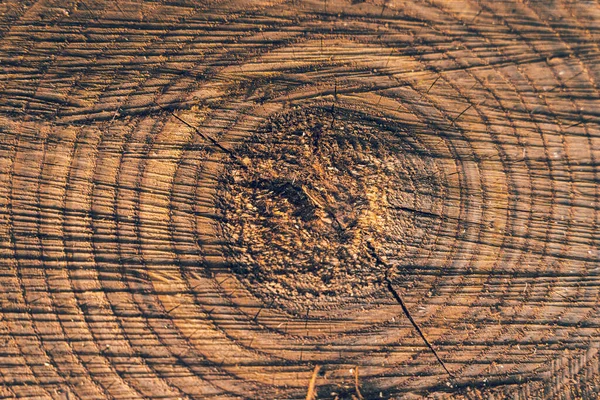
x: 398, y: 298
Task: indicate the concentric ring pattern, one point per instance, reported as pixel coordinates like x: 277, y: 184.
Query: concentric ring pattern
x: 205, y: 199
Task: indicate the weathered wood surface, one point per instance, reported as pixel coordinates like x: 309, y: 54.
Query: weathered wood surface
x: 202, y: 199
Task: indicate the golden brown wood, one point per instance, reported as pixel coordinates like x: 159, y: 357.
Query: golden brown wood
x: 206, y: 199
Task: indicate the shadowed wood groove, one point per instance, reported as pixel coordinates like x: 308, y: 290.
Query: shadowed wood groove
x: 259, y: 199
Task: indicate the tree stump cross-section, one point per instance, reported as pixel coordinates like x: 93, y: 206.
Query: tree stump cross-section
x: 299, y: 199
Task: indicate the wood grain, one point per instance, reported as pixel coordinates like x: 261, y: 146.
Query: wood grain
x: 189, y: 191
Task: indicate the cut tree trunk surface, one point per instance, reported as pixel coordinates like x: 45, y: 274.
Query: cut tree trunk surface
x: 306, y: 199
